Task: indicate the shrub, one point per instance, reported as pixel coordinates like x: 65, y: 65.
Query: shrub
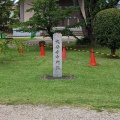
x: 83, y: 41
x: 107, y: 28
x: 3, y: 46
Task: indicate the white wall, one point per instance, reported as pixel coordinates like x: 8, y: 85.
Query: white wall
x: 27, y: 15
x: 24, y: 16
x: 23, y: 34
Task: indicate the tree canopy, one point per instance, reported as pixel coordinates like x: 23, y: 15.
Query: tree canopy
x: 107, y: 28
x: 47, y: 15
x: 6, y: 7
x: 88, y: 10
x: 9, y: 14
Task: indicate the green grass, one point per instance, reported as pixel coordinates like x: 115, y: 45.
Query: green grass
x: 97, y: 87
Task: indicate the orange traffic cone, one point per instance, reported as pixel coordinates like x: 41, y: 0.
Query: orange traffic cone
x: 92, y: 59
x: 42, y: 52
x: 20, y: 48
x: 21, y: 51
x: 63, y: 53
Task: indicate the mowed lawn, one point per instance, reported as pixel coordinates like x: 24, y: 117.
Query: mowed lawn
x: 95, y: 87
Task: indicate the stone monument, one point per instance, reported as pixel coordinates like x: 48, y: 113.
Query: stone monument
x: 57, y: 55
x: 57, y: 60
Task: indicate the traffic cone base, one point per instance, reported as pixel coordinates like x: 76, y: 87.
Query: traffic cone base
x: 92, y: 64
x: 42, y: 55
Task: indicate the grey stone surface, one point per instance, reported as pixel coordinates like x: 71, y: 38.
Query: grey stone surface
x: 57, y: 55
x: 29, y: 112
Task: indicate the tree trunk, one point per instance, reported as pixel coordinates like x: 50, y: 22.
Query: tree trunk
x: 88, y: 33
x: 51, y: 35
x: 91, y: 36
x: 49, y: 32
x: 87, y: 29
x: 113, y: 50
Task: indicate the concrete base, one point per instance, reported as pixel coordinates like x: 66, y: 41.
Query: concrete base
x: 69, y: 77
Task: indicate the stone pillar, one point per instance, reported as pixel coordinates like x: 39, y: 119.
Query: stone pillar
x: 57, y: 55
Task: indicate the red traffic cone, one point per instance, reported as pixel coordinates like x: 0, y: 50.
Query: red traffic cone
x: 63, y: 53
x: 21, y: 51
x: 92, y: 59
x: 42, y: 52
x: 20, y: 48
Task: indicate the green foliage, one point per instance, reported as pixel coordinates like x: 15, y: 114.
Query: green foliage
x: 91, y: 8
x: 83, y: 41
x: 7, y: 47
x: 16, y: 16
x: 47, y: 15
x: 9, y: 14
x: 107, y: 28
x: 3, y: 46
x: 5, y: 11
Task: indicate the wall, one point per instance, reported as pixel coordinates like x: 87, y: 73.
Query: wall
x: 24, y: 16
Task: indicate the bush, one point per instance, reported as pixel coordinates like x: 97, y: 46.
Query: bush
x: 83, y: 41
x: 3, y: 47
x: 107, y: 28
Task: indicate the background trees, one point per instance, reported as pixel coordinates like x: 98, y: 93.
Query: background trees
x: 107, y: 28
x: 47, y: 15
x: 5, y: 11
x: 91, y: 8
x: 7, y: 15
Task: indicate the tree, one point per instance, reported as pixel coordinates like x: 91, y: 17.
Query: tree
x: 5, y: 11
x: 47, y: 15
x: 16, y: 16
x: 7, y: 14
x: 107, y: 28
x: 87, y: 11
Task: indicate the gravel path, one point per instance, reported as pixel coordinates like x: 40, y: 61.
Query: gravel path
x: 29, y: 112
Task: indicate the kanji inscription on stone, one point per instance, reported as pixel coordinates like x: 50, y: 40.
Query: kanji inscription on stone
x: 57, y: 55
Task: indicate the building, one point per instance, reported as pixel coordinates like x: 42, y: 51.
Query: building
x: 24, y: 16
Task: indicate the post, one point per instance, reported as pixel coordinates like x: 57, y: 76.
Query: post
x: 57, y: 55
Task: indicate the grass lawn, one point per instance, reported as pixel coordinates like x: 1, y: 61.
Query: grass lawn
x: 97, y: 87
